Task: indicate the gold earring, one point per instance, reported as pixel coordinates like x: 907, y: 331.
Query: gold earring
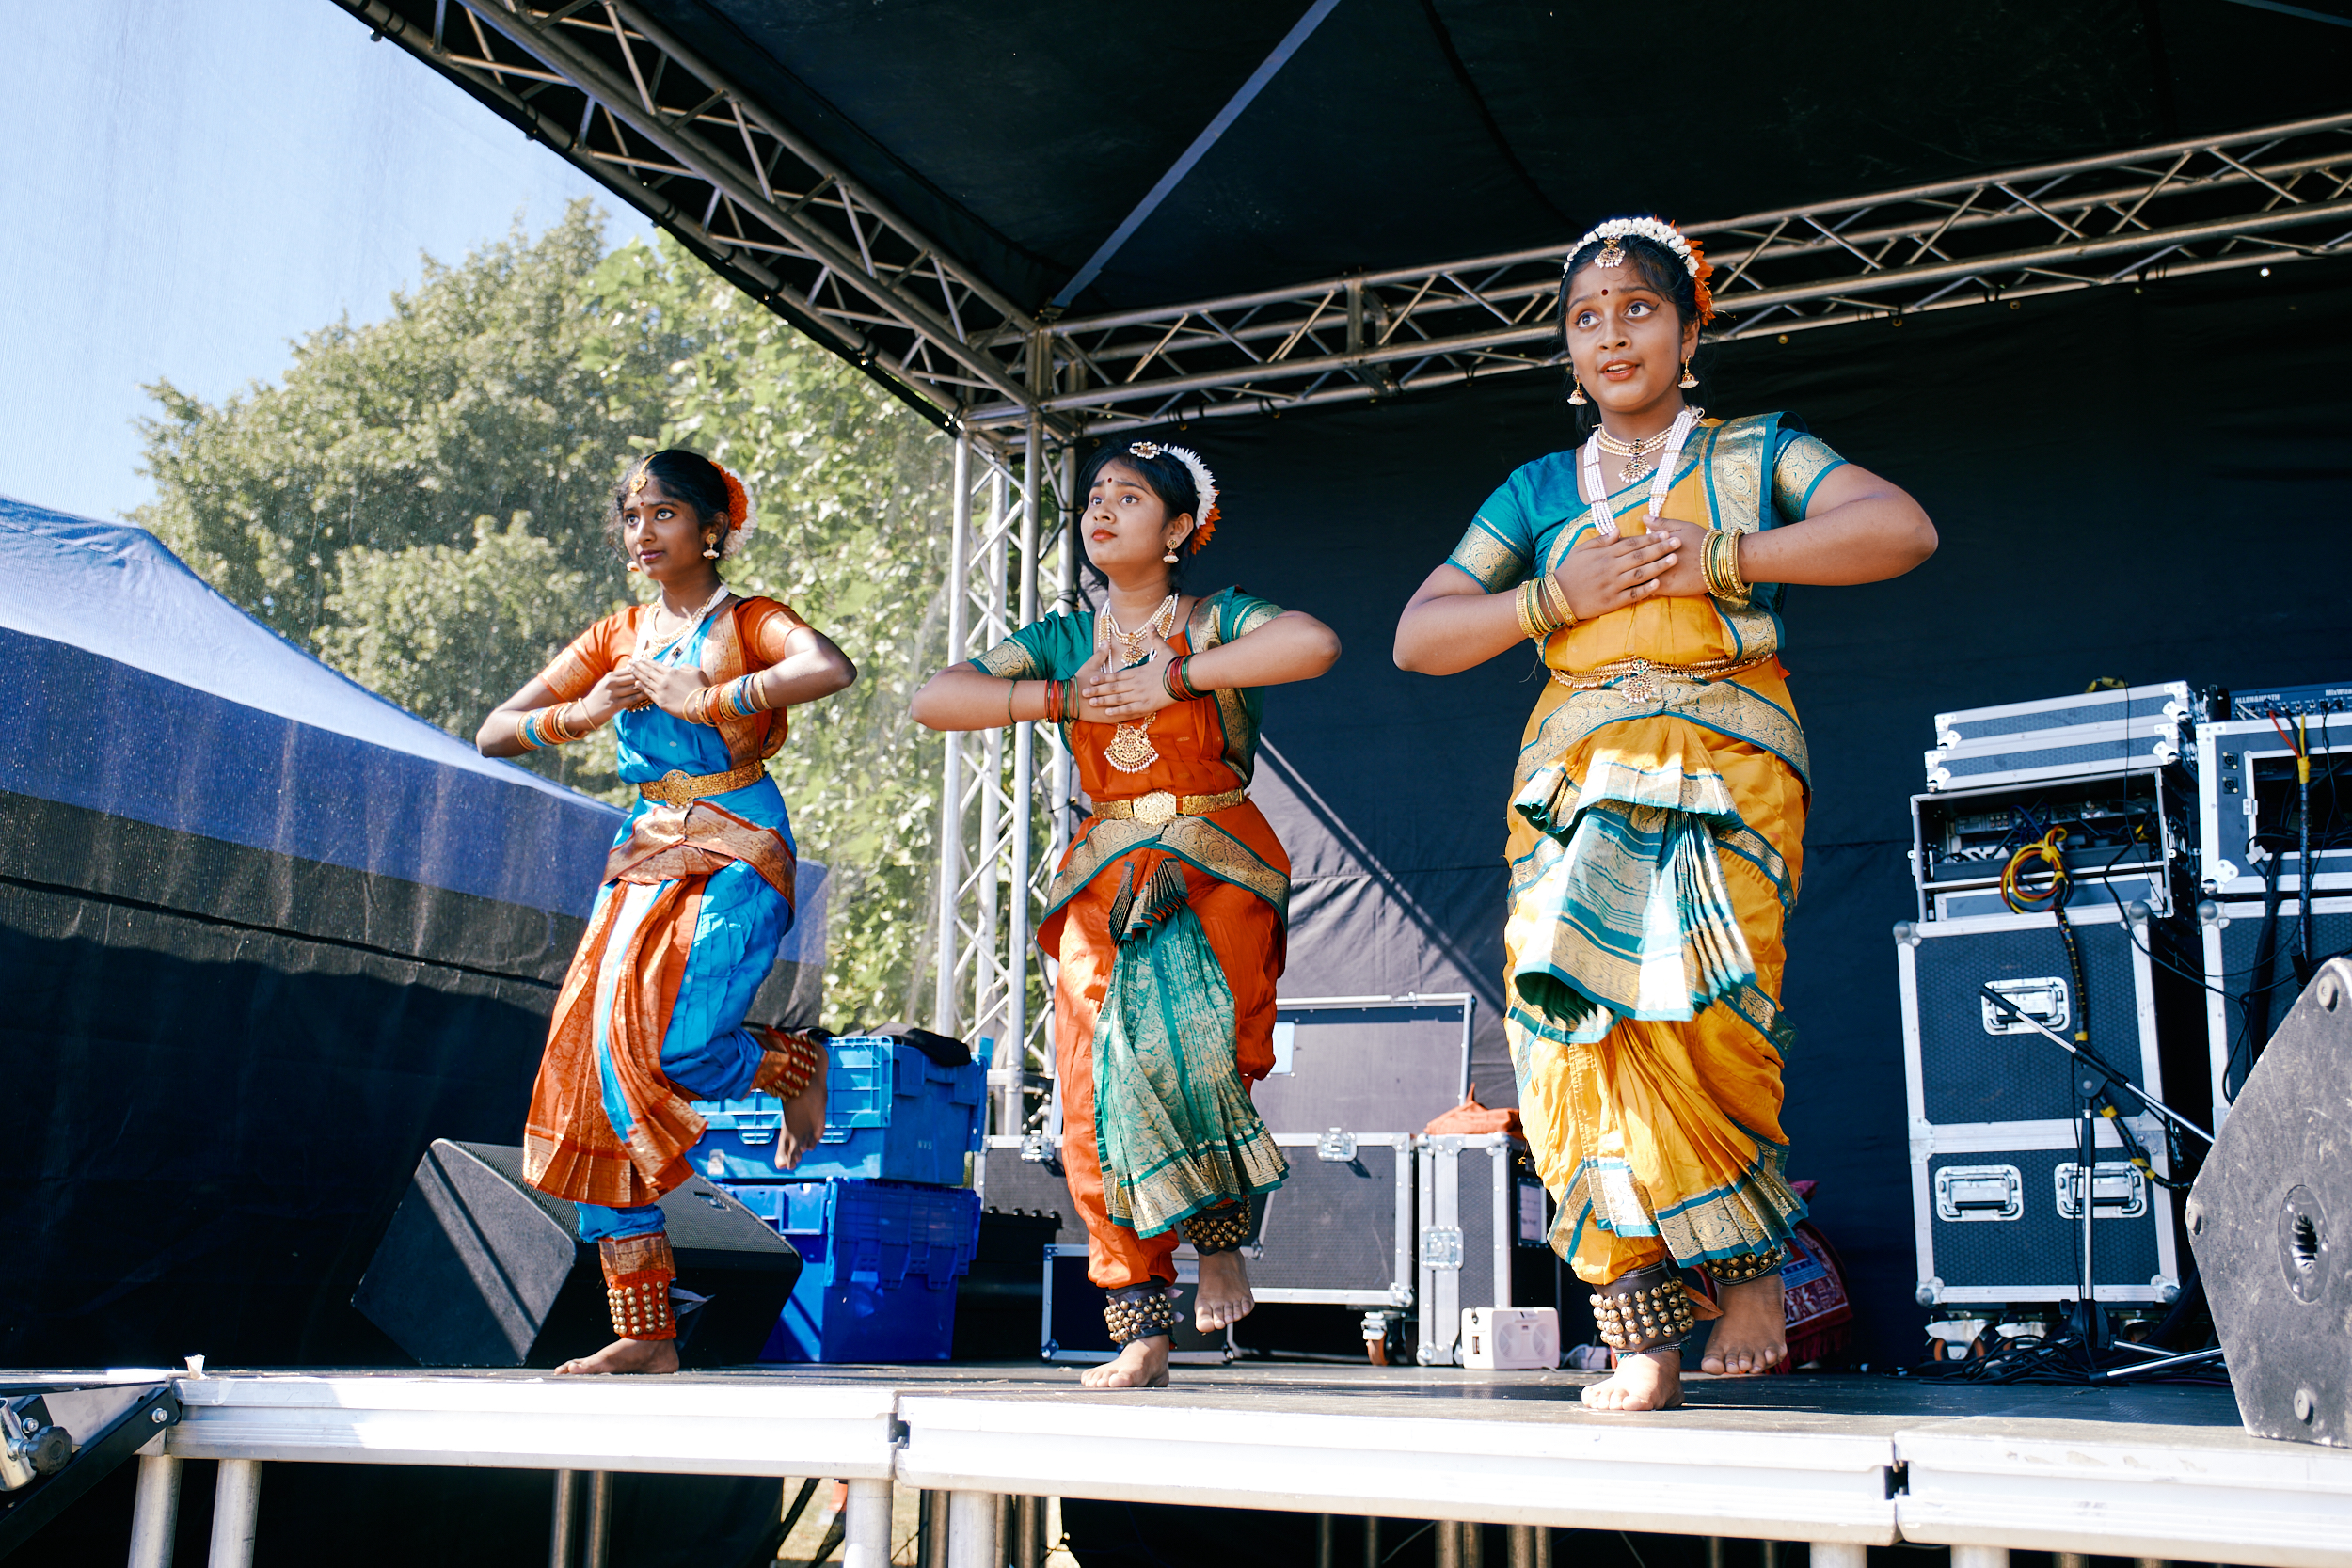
x: 1688, y: 380
x: 710, y: 549
x: 1577, y: 394
x: 1170, y: 556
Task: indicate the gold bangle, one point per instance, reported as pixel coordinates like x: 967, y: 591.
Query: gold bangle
x: 1542, y: 608
x: 1722, y: 566
x: 554, y: 727
x: 1563, y: 614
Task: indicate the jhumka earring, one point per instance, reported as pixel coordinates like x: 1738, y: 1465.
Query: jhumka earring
x: 710, y: 549
x: 1170, y: 557
x: 1688, y: 380
x: 1577, y: 394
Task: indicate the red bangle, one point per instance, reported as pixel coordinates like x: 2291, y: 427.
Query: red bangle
x: 1176, y: 681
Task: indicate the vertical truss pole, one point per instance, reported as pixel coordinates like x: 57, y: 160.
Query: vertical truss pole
x: 951, y: 759
x: 988, y: 968
x: 1011, y: 1051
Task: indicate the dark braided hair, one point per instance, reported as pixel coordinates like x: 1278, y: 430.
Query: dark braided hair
x: 1664, y: 271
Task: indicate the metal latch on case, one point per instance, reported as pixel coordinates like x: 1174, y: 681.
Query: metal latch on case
x: 2045, y: 999
x: 1337, y: 1146
x: 1441, y: 1247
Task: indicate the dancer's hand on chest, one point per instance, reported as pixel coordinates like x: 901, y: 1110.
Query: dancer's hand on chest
x: 666, y: 685
x: 1124, y: 696
x: 612, y: 693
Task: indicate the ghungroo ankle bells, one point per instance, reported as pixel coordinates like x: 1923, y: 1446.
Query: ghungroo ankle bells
x: 1140, y: 1311
x: 1738, y: 1271
x: 637, y: 1275
x: 788, y: 1061
x: 1217, y: 1230
x: 1647, y: 1310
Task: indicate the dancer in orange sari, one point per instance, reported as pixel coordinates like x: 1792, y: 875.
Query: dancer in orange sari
x: 1658, y: 811
x: 697, y: 889
x: 1168, y: 912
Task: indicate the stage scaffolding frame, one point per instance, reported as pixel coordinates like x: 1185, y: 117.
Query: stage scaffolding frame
x: 607, y: 89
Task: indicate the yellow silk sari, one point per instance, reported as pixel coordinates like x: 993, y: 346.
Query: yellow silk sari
x: 1656, y: 835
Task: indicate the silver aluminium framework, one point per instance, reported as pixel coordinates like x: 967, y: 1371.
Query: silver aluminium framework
x: 609, y: 89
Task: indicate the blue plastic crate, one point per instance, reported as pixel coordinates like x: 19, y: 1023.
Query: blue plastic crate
x: 880, y: 1261
x: 891, y: 1114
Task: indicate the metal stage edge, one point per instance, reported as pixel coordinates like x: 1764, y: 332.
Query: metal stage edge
x: 1840, y: 1463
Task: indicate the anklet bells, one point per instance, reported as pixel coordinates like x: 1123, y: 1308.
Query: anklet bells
x: 1219, y: 1229
x: 1647, y: 1310
x: 637, y: 1275
x: 1138, y: 1313
x: 1738, y: 1271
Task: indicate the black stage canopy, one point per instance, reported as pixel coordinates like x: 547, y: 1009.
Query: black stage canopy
x: 1401, y: 132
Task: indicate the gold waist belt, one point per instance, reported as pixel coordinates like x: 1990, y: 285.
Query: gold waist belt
x: 677, y: 788
x: 1639, y: 677
x: 1164, y: 806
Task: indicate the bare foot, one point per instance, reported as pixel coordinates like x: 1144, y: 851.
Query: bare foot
x: 1141, y: 1364
x: 1224, y: 1295
x: 625, y: 1355
x: 1752, y: 1336
x: 1646, y: 1380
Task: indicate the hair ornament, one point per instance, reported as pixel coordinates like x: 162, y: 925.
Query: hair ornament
x: 644, y: 471
x: 739, y: 518
x: 1206, y: 514
x: 1660, y: 232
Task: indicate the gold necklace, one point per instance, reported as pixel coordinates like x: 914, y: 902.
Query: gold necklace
x: 1131, y: 749
x: 644, y: 631
x: 1635, y: 452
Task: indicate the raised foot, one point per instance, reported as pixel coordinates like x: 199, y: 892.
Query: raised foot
x: 1647, y: 1380
x: 1224, y: 1297
x: 625, y: 1355
x: 1141, y: 1364
x: 1752, y: 1336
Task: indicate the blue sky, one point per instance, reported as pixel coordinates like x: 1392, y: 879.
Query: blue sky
x: 191, y: 186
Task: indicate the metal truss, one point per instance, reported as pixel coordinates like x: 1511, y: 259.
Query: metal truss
x: 2254, y: 198
x: 613, y: 93
x: 1007, y: 538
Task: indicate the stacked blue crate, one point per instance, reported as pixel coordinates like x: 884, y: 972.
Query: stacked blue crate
x: 880, y: 1261
x: 879, y: 1209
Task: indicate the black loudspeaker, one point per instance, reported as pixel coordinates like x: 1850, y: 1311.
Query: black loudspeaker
x: 481, y: 1269
x: 2271, y: 1221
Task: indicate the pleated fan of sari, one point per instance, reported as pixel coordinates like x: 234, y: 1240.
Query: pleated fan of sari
x: 1632, y: 918
x: 1178, y: 1133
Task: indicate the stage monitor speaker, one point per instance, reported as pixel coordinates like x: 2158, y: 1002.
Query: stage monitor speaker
x: 2271, y: 1221
x: 481, y: 1269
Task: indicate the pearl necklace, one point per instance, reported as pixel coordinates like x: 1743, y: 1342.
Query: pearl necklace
x: 1604, y: 520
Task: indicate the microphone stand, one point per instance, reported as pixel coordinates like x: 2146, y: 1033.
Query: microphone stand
x: 2096, y: 1086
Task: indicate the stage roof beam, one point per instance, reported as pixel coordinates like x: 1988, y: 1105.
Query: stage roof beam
x: 682, y: 143
x: 2255, y: 198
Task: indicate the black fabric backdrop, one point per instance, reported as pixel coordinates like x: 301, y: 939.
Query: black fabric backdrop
x: 2147, y: 484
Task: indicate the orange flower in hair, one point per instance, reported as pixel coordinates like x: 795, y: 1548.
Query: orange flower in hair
x: 1208, y: 528
x: 738, y: 517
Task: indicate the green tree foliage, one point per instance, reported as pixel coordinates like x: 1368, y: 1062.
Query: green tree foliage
x: 423, y: 500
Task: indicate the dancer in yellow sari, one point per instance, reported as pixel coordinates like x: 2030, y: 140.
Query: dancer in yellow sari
x: 1658, y: 809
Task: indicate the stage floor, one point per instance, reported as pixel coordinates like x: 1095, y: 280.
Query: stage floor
x: 2132, y: 1471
